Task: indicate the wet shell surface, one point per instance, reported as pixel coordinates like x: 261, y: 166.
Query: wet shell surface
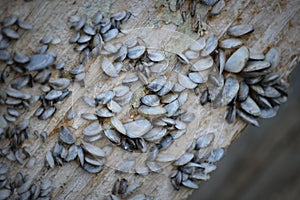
x: 137, y: 128
x: 237, y: 60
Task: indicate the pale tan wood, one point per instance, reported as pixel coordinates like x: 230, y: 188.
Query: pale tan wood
x: 276, y: 24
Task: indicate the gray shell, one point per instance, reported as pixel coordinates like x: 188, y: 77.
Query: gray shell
x: 137, y: 128
x: 39, y: 62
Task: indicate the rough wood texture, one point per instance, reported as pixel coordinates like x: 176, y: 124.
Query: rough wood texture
x: 276, y: 24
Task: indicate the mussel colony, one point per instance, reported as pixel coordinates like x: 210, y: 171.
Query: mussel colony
x: 144, y: 110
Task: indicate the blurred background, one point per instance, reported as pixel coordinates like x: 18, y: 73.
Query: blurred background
x: 262, y: 163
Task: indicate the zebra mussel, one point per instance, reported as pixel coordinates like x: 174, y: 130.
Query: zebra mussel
x: 144, y: 112
x: 191, y: 9
x: 91, y: 34
x: 22, y: 74
x: 22, y: 186
x: 246, y: 83
x: 196, y: 164
x: 122, y: 189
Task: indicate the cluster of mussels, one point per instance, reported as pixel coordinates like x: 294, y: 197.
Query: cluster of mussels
x: 122, y: 190
x: 216, y: 7
x: 22, y: 186
x: 90, y: 36
x: 96, y: 35
x: 249, y: 85
x: 143, y: 111
x: 20, y: 76
x: 157, y: 117
x: 91, y: 158
x: 196, y: 163
x: 245, y: 82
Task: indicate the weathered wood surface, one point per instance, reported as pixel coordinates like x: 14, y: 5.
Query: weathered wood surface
x: 276, y: 24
